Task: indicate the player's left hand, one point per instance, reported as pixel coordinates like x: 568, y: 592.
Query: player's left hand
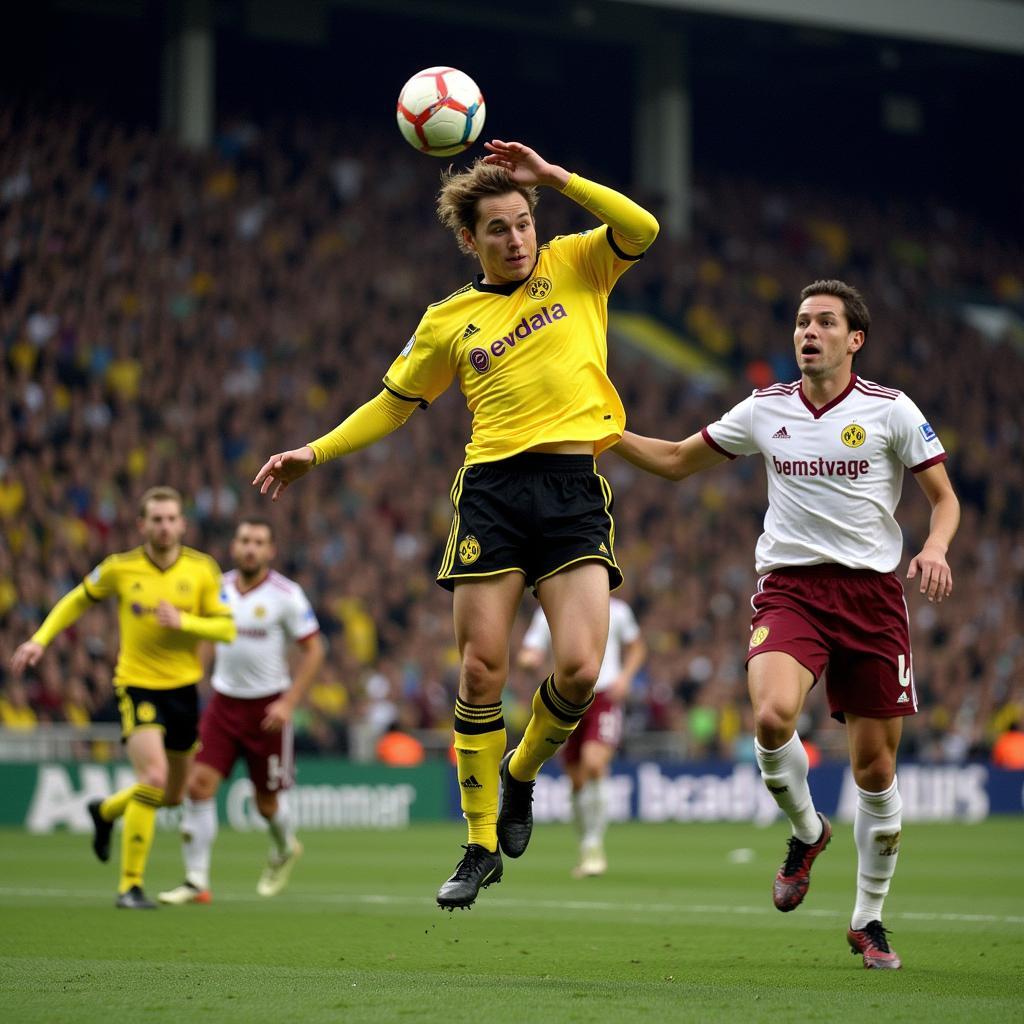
x: 936, y: 576
x: 167, y: 615
x: 525, y: 165
x: 277, y: 715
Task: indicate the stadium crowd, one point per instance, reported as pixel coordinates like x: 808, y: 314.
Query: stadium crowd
x: 173, y: 317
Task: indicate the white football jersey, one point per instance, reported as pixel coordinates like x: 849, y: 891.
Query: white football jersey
x: 268, y: 618
x: 834, y: 474
x: 622, y: 630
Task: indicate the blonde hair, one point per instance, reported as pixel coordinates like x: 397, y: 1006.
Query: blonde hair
x: 162, y: 493
x: 461, y: 192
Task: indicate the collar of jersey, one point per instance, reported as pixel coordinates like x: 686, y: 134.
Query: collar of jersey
x: 509, y: 288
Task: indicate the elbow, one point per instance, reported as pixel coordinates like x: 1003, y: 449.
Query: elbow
x: 651, y: 229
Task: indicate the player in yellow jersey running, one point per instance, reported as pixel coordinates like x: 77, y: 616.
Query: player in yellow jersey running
x: 169, y: 598
x: 527, y: 341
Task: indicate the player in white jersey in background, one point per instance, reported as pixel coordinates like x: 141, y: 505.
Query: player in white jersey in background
x: 835, y: 448
x: 250, y: 712
x: 588, y: 752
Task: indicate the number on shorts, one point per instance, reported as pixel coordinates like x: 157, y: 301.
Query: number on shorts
x: 904, y: 669
x: 275, y: 773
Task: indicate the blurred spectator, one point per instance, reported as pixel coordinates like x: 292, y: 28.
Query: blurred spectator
x: 165, y: 313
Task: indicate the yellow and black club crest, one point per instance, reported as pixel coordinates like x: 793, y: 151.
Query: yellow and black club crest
x: 759, y: 636
x: 145, y: 712
x: 538, y: 288
x: 469, y: 550
x: 854, y: 435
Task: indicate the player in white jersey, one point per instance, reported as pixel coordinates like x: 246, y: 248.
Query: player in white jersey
x: 250, y: 712
x: 588, y: 752
x: 835, y: 448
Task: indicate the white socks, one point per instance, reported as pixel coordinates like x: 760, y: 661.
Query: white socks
x: 198, y: 831
x: 876, y: 831
x: 280, y: 825
x: 785, y: 774
x: 591, y: 806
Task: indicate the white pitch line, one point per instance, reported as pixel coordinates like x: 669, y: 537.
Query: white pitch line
x: 584, y: 906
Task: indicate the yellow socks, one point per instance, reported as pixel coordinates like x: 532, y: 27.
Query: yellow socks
x: 480, y: 740
x: 114, y: 806
x: 137, y: 835
x: 554, y: 718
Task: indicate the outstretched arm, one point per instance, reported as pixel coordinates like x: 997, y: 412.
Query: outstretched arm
x: 63, y: 614
x: 670, y: 459
x: 369, y: 423
x: 634, y: 227
x: 936, y: 576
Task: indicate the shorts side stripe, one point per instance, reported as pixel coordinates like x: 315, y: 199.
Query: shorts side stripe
x: 606, y: 489
x: 453, y: 535
x: 910, y: 654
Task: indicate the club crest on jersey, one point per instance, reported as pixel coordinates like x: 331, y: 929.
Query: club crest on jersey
x: 539, y: 288
x: 469, y: 550
x: 854, y: 435
x: 145, y: 712
x: 259, y: 612
x: 759, y: 636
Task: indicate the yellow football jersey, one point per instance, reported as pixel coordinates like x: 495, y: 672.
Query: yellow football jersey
x: 531, y: 356
x: 151, y: 655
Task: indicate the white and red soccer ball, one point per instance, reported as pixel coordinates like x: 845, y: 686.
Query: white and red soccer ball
x: 440, y: 111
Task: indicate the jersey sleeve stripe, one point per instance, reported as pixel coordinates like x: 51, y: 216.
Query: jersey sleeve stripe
x: 308, y: 636
x: 934, y: 461
x: 422, y: 402
x: 628, y: 256
x: 714, y: 444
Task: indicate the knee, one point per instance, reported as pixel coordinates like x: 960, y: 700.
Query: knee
x: 172, y: 799
x: 266, y: 804
x: 576, y: 677
x: 201, y: 789
x: 154, y: 775
x: 875, y: 774
x: 483, y: 676
x: 774, y: 724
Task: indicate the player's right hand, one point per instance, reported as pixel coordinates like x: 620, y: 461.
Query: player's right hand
x: 282, y: 469
x: 27, y: 655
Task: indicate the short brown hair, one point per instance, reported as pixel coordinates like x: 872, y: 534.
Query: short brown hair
x: 256, y: 521
x: 857, y: 316
x: 462, y: 190
x: 161, y: 493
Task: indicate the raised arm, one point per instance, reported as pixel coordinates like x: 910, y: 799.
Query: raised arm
x: 634, y: 227
x: 670, y: 459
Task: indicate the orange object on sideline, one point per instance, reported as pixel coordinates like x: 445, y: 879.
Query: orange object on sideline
x: 1008, y: 751
x: 400, y: 750
x: 813, y: 753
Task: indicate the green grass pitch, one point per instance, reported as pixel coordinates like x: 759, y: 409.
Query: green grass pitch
x: 681, y: 929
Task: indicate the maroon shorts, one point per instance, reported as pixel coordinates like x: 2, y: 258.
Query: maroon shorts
x: 230, y: 728
x: 601, y: 724
x: 850, y: 625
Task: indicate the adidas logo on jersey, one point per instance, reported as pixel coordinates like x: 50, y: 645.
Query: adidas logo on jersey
x: 471, y: 783
x: 781, y: 432
x: 903, y: 698
x: 470, y: 331
x: 602, y: 548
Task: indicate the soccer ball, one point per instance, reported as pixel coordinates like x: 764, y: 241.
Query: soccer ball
x: 440, y: 111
